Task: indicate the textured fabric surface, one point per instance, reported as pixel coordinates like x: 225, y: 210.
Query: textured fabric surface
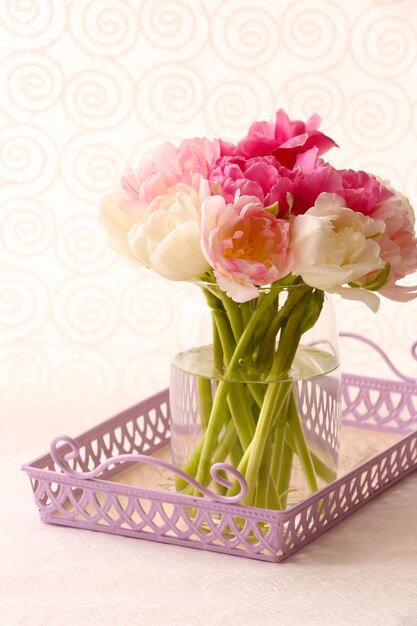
x: 361, y: 573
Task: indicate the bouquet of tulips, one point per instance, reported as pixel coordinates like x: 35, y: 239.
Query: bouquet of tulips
x: 246, y: 221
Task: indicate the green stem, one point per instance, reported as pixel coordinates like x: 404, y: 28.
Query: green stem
x: 323, y: 471
x: 228, y: 440
x: 244, y: 427
x: 226, y: 339
x: 246, y: 310
x: 266, y: 491
x: 239, y: 409
x: 234, y: 315
x: 285, y: 474
x: 275, y: 398
x: 299, y: 316
x: 263, y: 478
x: 205, y: 400
x: 236, y: 451
x: 211, y: 435
x: 241, y: 416
x: 228, y: 445
x: 242, y: 467
x: 190, y: 468
x: 274, y: 500
x: 217, y: 350
x: 266, y: 463
x: 256, y: 393
x: 301, y: 448
x: 278, y: 446
x: 248, y: 332
x: 268, y: 343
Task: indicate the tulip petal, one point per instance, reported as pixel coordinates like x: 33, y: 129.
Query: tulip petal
x: 178, y: 256
x: 362, y: 295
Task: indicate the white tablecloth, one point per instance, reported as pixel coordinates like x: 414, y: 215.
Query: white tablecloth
x: 363, y: 572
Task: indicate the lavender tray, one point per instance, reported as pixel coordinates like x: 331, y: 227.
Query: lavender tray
x: 116, y: 478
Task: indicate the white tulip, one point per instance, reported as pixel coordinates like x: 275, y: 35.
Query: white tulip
x: 334, y: 246
x: 168, y: 239
x: 116, y: 222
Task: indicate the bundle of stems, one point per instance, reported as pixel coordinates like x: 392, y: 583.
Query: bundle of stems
x: 249, y: 411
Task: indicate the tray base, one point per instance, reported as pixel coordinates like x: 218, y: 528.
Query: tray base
x: 357, y: 446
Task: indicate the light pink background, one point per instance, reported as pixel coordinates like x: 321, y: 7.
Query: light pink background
x: 88, y: 87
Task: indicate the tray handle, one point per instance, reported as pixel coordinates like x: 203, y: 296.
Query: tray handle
x: 215, y: 469
x: 383, y: 356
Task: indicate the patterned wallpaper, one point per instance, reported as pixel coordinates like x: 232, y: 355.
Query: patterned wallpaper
x: 88, y: 86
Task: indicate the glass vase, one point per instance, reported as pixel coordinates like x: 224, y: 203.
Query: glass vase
x: 257, y: 385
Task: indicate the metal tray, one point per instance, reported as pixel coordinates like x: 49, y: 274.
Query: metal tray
x: 117, y: 477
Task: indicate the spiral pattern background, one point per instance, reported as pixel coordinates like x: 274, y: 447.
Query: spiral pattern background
x: 316, y: 32
x: 30, y: 83
x: 233, y: 105
x: 24, y: 303
x: 387, y: 42
x: 244, y: 36
x: 99, y: 100
x: 42, y: 22
x: 104, y: 27
x: 317, y: 92
x: 90, y: 86
x: 90, y: 166
x: 84, y: 312
x: 27, y: 229
x: 28, y: 159
x: 172, y: 26
x: 381, y: 118
x: 90, y: 376
x: 82, y: 246
x: 168, y: 95
x: 23, y: 368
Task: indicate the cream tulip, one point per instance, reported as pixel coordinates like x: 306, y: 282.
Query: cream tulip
x: 168, y: 239
x: 334, y: 246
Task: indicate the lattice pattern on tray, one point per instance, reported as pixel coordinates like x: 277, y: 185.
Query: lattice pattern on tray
x: 315, y: 399
x: 144, y: 428
x: 235, y: 529
x: 380, y: 405
x: 208, y: 523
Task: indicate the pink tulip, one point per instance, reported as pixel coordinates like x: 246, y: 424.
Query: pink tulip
x: 252, y: 177
x: 245, y: 245
x: 295, y: 190
x: 169, y: 166
x: 362, y: 191
x: 398, y: 244
x: 283, y: 138
x: 312, y: 176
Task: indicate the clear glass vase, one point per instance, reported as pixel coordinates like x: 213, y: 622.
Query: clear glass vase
x: 257, y: 385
